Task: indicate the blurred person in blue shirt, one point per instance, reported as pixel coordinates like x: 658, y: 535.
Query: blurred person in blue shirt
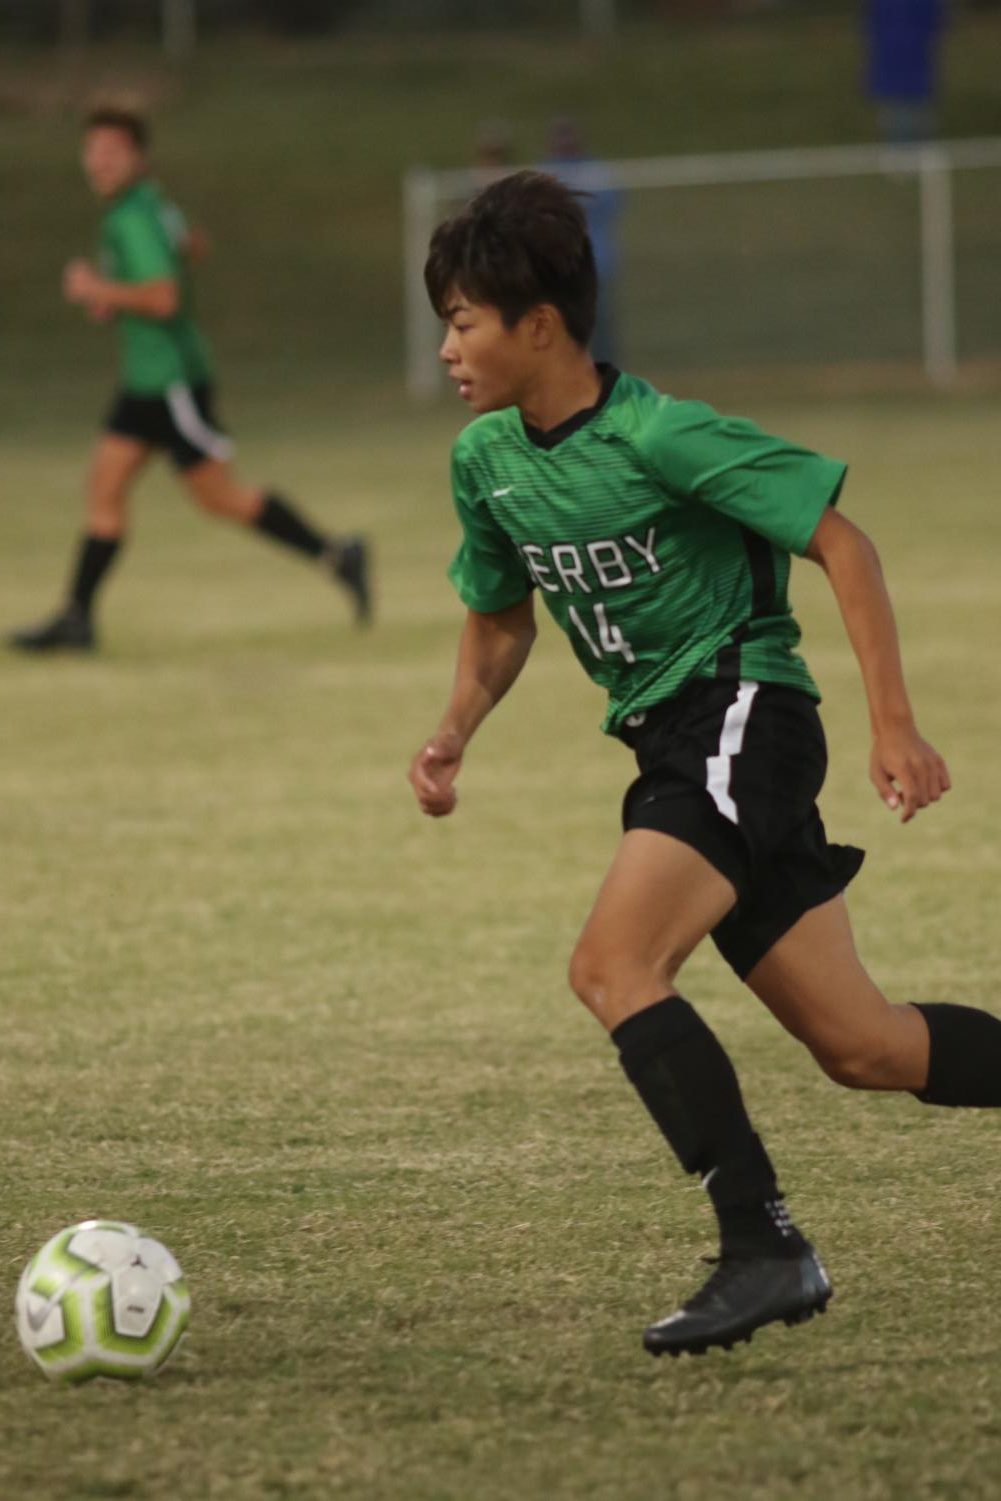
x: 493, y: 151
x: 570, y: 162
x: 903, y: 38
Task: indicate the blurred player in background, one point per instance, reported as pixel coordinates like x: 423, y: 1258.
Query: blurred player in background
x: 493, y: 151
x: 165, y: 400
x: 660, y: 535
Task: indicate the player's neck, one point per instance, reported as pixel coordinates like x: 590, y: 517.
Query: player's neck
x: 127, y: 187
x: 566, y: 387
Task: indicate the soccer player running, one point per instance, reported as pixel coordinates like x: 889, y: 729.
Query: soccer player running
x: 659, y: 536
x: 165, y: 401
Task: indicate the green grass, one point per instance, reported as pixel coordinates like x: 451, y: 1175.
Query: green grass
x: 325, y: 1050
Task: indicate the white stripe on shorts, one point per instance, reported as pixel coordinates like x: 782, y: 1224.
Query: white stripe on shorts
x: 731, y: 742
x: 192, y: 425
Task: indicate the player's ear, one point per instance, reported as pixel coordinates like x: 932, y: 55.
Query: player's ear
x: 544, y: 325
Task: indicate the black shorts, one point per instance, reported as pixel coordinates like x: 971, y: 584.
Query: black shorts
x: 181, y: 421
x: 734, y: 770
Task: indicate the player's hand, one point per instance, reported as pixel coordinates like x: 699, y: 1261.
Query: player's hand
x: 906, y: 771
x: 82, y: 283
x: 197, y: 244
x: 433, y: 772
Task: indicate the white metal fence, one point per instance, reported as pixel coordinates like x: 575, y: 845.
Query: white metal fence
x: 427, y: 195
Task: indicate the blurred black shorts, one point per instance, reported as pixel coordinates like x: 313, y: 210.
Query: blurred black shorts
x: 734, y: 770
x: 181, y: 421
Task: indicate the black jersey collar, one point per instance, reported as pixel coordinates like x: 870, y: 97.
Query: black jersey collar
x: 555, y: 435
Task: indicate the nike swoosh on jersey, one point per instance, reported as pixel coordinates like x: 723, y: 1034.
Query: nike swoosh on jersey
x: 505, y: 491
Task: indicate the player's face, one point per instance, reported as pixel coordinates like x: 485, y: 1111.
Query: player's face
x: 111, y: 160
x: 490, y: 363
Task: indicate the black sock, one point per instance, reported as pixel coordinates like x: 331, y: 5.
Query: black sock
x: 964, y: 1065
x: 279, y: 520
x: 94, y: 558
x: 687, y: 1083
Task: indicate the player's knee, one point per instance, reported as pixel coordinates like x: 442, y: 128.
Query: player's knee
x: 586, y: 974
x: 609, y: 982
x: 104, y: 510
x: 857, y: 1065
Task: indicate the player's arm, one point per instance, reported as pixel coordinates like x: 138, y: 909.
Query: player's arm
x: 493, y: 648
x: 787, y: 494
x: 196, y: 244
x: 907, y: 772
x: 83, y: 284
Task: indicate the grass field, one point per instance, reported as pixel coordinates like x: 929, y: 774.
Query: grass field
x: 325, y: 1049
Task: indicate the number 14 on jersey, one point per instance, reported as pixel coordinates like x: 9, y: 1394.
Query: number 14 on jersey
x: 610, y: 640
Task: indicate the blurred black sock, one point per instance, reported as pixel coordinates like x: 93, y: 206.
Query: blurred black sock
x: 95, y: 557
x: 279, y: 520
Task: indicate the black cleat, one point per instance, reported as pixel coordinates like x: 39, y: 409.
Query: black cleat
x: 350, y: 567
x: 70, y: 630
x: 743, y: 1293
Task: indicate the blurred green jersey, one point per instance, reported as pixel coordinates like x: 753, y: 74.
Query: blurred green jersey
x: 141, y: 239
x: 657, y: 532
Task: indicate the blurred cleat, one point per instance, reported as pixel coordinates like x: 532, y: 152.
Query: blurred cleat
x: 350, y: 566
x: 70, y: 630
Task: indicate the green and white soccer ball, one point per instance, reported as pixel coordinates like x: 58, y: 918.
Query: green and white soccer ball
x: 101, y: 1299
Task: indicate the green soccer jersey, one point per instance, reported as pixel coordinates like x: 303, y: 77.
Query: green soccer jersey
x: 141, y: 238
x: 657, y: 532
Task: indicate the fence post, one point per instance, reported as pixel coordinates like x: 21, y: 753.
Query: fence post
x: 419, y: 204
x: 938, y: 268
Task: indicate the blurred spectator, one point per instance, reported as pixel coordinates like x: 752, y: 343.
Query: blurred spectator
x: 904, y: 37
x: 570, y: 162
x: 493, y: 151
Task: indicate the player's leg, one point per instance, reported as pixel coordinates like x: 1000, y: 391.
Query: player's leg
x: 660, y: 899
x: 202, y: 453
x: 214, y: 485
x: 813, y: 981
x: 116, y: 461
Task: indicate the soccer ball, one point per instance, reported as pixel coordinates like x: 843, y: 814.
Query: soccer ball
x: 101, y: 1299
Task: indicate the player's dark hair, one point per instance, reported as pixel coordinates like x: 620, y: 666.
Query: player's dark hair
x: 521, y: 241
x: 129, y: 121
